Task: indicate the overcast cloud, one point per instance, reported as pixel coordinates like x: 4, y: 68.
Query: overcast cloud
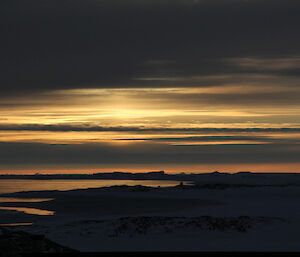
x: 95, y: 43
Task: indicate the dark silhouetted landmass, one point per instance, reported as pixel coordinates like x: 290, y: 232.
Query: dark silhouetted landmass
x: 217, y: 177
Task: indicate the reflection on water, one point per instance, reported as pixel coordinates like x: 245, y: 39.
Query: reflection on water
x: 17, y: 185
x: 25, y: 209
x: 16, y: 224
x: 29, y: 210
x: 24, y: 200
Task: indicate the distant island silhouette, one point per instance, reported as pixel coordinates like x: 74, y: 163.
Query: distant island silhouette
x: 152, y: 175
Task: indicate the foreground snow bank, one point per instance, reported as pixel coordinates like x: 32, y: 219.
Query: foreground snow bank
x: 165, y: 233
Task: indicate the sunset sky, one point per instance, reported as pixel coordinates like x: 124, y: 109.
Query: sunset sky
x: 140, y: 85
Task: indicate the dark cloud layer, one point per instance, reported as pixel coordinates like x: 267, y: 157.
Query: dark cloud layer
x: 70, y: 44
x: 34, y: 153
x: 67, y: 128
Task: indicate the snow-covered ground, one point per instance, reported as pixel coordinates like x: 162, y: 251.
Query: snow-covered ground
x: 261, y: 213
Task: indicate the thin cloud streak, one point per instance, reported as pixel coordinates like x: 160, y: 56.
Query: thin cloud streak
x: 66, y: 128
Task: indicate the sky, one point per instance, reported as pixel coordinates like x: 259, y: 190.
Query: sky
x: 140, y: 85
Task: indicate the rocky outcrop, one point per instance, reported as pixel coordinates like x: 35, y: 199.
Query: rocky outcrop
x: 143, y: 225
x: 155, y: 225
x: 14, y: 243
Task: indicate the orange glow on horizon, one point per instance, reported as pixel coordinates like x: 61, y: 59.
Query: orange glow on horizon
x: 171, y: 169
